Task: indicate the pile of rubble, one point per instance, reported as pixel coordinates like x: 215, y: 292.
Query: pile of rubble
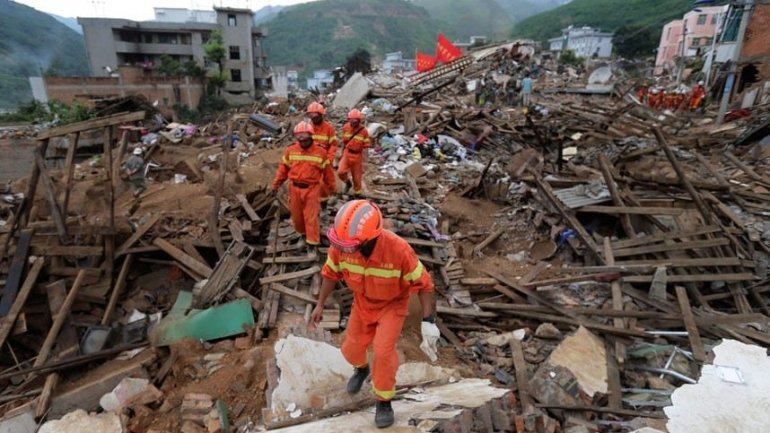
x: 589, y: 256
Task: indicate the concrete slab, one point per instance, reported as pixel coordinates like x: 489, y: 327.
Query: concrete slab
x: 79, y: 421
x: 23, y: 422
x: 352, y: 92
x: 313, y: 375
x: 731, y: 396
x: 583, y: 354
x: 424, y: 406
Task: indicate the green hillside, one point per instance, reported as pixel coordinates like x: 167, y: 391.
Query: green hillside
x: 32, y: 43
x: 324, y: 33
x: 518, y: 10
x: 608, y: 15
x: 470, y: 17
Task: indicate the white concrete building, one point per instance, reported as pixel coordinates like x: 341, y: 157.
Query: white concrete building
x: 395, y: 63
x: 583, y: 41
x: 321, y: 80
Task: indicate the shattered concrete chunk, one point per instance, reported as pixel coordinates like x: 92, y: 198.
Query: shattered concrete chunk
x: 583, y: 354
x: 739, y: 371
x: 78, y: 421
x: 548, y: 331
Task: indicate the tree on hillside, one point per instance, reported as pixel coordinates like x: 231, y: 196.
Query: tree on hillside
x: 633, y: 41
x: 359, y: 61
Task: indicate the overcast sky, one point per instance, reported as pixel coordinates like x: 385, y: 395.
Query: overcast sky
x: 139, y: 9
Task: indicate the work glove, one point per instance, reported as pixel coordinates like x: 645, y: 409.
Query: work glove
x: 430, y: 336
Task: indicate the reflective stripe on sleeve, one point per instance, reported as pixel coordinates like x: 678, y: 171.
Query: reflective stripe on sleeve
x: 331, y: 265
x: 375, y: 272
x: 416, y: 273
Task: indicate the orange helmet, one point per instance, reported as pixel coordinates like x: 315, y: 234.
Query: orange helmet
x: 356, y: 114
x: 316, y: 107
x: 303, y: 127
x: 356, y: 222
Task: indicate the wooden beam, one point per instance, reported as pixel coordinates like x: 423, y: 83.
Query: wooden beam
x: 617, y: 305
x: 567, y: 214
x: 247, y: 208
x: 29, y: 195
x: 144, y: 228
x: 698, y: 352
x: 67, y: 250
x: 290, y: 259
x: 466, y: 312
x: 423, y: 242
x: 617, y: 210
x: 522, y: 375
x: 50, y: 194
x: 745, y: 168
x: 115, y: 119
x: 684, y: 263
x: 695, y: 278
x: 679, y: 246
x: 69, y: 173
x: 67, y: 342
x: 16, y: 271
x: 280, y: 288
x: 477, y: 250
x: 119, y: 285
x: 603, y: 277
x: 6, y: 323
x: 289, y: 275
x: 58, y: 322
x: 609, y: 180
x: 182, y: 257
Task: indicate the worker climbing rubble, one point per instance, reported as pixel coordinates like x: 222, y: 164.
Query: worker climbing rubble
x: 697, y: 94
x: 325, y: 136
x: 355, y: 142
x: 308, y: 170
x: 134, y: 171
x: 383, y: 271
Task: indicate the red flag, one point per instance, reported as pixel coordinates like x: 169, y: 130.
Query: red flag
x: 445, y: 50
x: 425, y: 62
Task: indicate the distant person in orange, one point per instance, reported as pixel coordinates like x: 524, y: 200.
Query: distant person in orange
x: 308, y: 169
x: 697, y: 95
x: 355, y: 142
x: 383, y: 271
x: 641, y: 93
x: 324, y: 135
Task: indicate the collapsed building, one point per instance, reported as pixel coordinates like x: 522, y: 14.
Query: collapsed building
x: 595, y: 262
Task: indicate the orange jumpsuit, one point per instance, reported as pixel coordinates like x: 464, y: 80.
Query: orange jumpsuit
x: 352, y: 157
x: 698, y: 93
x: 381, y: 285
x: 325, y: 135
x: 307, y: 170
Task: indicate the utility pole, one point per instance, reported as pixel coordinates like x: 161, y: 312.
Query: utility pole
x: 730, y: 82
x: 681, y: 62
x: 713, y: 54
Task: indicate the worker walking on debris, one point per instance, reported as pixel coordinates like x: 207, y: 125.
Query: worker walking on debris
x: 308, y: 170
x: 696, y: 96
x: 133, y: 169
x: 383, y: 271
x: 355, y: 142
x: 526, y: 90
x: 324, y: 135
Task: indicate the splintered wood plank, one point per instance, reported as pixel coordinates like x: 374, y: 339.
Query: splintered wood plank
x: 182, y: 257
x: 646, y: 240
x: 617, y: 303
x: 101, y: 122
x: 69, y: 166
x: 247, y: 208
x: 289, y: 275
x: 696, y: 278
x: 16, y: 271
x: 293, y: 293
x: 67, y: 250
x: 617, y: 210
x: 58, y: 322
x: 679, y: 246
x: 119, y: 285
x: 6, y: 323
x: 144, y: 228
x: 522, y: 375
x: 698, y: 352
x: 613, y: 378
x: 67, y: 343
x: 50, y: 194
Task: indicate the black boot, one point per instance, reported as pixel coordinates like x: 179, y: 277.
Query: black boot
x: 348, y: 186
x: 357, y: 380
x: 384, y: 415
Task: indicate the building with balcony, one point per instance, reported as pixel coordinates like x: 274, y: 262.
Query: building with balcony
x: 322, y: 79
x: 691, y: 36
x: 395, y: 63
x: 583, y: 41
x: 181, y: 34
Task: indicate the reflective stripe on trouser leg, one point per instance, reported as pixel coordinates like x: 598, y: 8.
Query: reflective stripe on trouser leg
x: 385, y: 360
x: 311, y: 212
x: 296, y: 205
x: 358, y: 337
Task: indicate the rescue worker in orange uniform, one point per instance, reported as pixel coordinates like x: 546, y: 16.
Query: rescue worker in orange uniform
x: 697, y: 95
x: 355, y: 139
x: 324, y: 135
x: 308, y: 169
x: 383, y: 271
